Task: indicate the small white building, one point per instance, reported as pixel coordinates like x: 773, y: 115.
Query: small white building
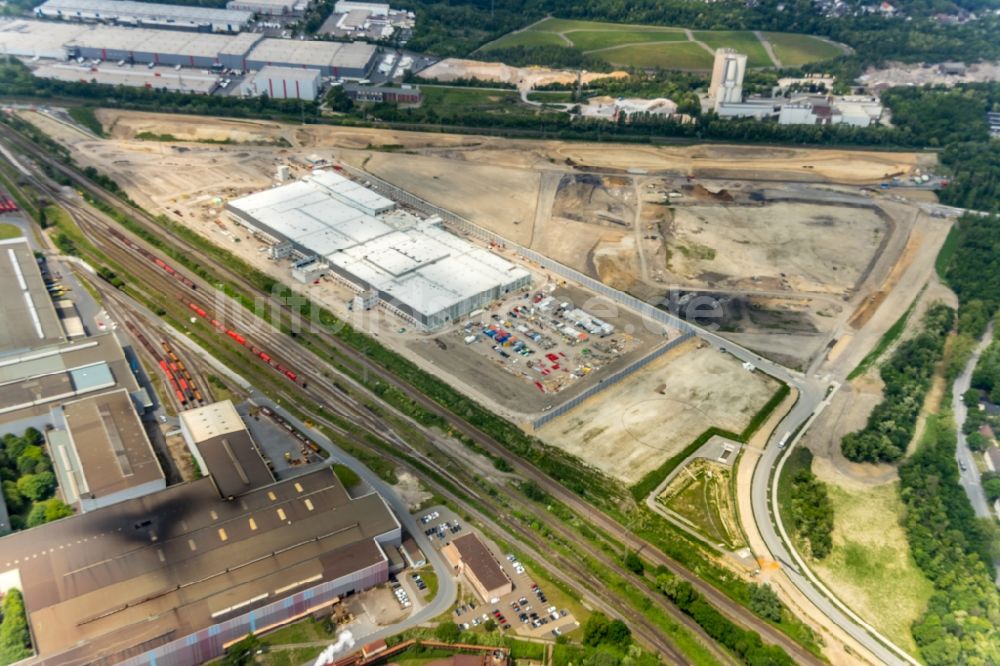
x: 283, y: 83
x: 373, y: 8
x: 263, y: 7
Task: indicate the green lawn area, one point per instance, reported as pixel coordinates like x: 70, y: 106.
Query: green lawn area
x: 794, y: 50
x: 871, y: 568
x: 9, y: 231
x: 588, y: 40
x: 448, y: 102
x: 587, y: 36
x: 562, y: 25
x: 529, y: 38
x: 741, y: 40
x: 551, y: 97
x: 292, y: 656
x: 431, y: 580
x: 702, y: 501
x: 303, y: 631
x: 671, y: 55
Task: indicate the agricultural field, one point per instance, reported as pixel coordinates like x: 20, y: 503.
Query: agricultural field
x: 666, y: 47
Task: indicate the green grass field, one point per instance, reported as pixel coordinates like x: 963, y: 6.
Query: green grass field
x: 591, y: 40
x: 677, y: 55
x: 702, y: 501
x: 9, y: 231
x: 531, y: 38
x: 742, y: 40
x: 649, y: 46
x: 794, y: 50
x: 448, y: 102
x: 551, y: 96
x: 871, y: 568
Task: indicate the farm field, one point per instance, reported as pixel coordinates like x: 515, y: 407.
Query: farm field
x: 664, y: 46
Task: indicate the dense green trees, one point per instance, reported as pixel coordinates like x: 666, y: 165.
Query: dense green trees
x: 811, y: 513
x: 599, y: 630
x: 907, y: 376
x: 972, y: 271
x: 962, y: 622
x: 15, y: 639
x: 744, y: 644
x: 764, y: 602
x: 28, y: 482
x: 986, y: 376
x: 955, y: 119
x: 991, y: 485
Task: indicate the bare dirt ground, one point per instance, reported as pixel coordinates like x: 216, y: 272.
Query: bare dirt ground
x: 921, y: 75
x: 659, y: 410
x: 513, y: 188
x: 799, y: 247
x: 524, y: 78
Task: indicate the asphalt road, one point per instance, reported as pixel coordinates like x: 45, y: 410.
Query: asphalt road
x: 969, y: 476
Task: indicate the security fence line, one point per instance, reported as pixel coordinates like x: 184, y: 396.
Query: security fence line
x: 610, y: 381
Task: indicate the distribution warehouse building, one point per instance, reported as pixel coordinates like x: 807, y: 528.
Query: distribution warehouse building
x: 245, y: 51
x: 419, y: 270
x: 146, y: 14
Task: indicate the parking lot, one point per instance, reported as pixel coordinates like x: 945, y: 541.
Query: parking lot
x: 534, y: 349
x: 526, y: 611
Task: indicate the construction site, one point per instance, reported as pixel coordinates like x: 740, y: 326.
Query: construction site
x: 798, y: 248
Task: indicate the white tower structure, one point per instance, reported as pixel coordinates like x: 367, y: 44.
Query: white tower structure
x: 727, y: 77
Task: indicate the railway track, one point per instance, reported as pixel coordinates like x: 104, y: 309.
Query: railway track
x: 359, y: 415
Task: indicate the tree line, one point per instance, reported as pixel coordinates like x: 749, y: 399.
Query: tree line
x: 907, y: 377
x: 961, y: 624
x: 744, y: 644
x: 811, y: 512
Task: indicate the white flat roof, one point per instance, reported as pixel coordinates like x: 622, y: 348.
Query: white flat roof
x: 289, y: 73
x: 259, y: 3
x: 219, y: 418
x: 416, y: 262
x: 313, y: 53
x: 146, y: 40
x: 145, y: 10
x: 42, y: 38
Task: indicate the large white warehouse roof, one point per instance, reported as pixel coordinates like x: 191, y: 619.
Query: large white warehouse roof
x: 145, y: 11
x: 416, y: 265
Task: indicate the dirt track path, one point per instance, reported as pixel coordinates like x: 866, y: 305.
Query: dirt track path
x: 769, y: 48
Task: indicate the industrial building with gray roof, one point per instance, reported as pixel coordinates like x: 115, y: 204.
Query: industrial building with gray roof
x: 29, y: 318
x: 172, y: 577
x: 246, y: 51
x: 147, y: 14
x: 419, y: 270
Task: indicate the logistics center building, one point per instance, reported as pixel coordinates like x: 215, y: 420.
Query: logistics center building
x: 418, y: 269
x: 246, y: 51
x: 146, y: 14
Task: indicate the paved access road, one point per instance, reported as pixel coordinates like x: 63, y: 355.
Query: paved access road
x: 969, y: 476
